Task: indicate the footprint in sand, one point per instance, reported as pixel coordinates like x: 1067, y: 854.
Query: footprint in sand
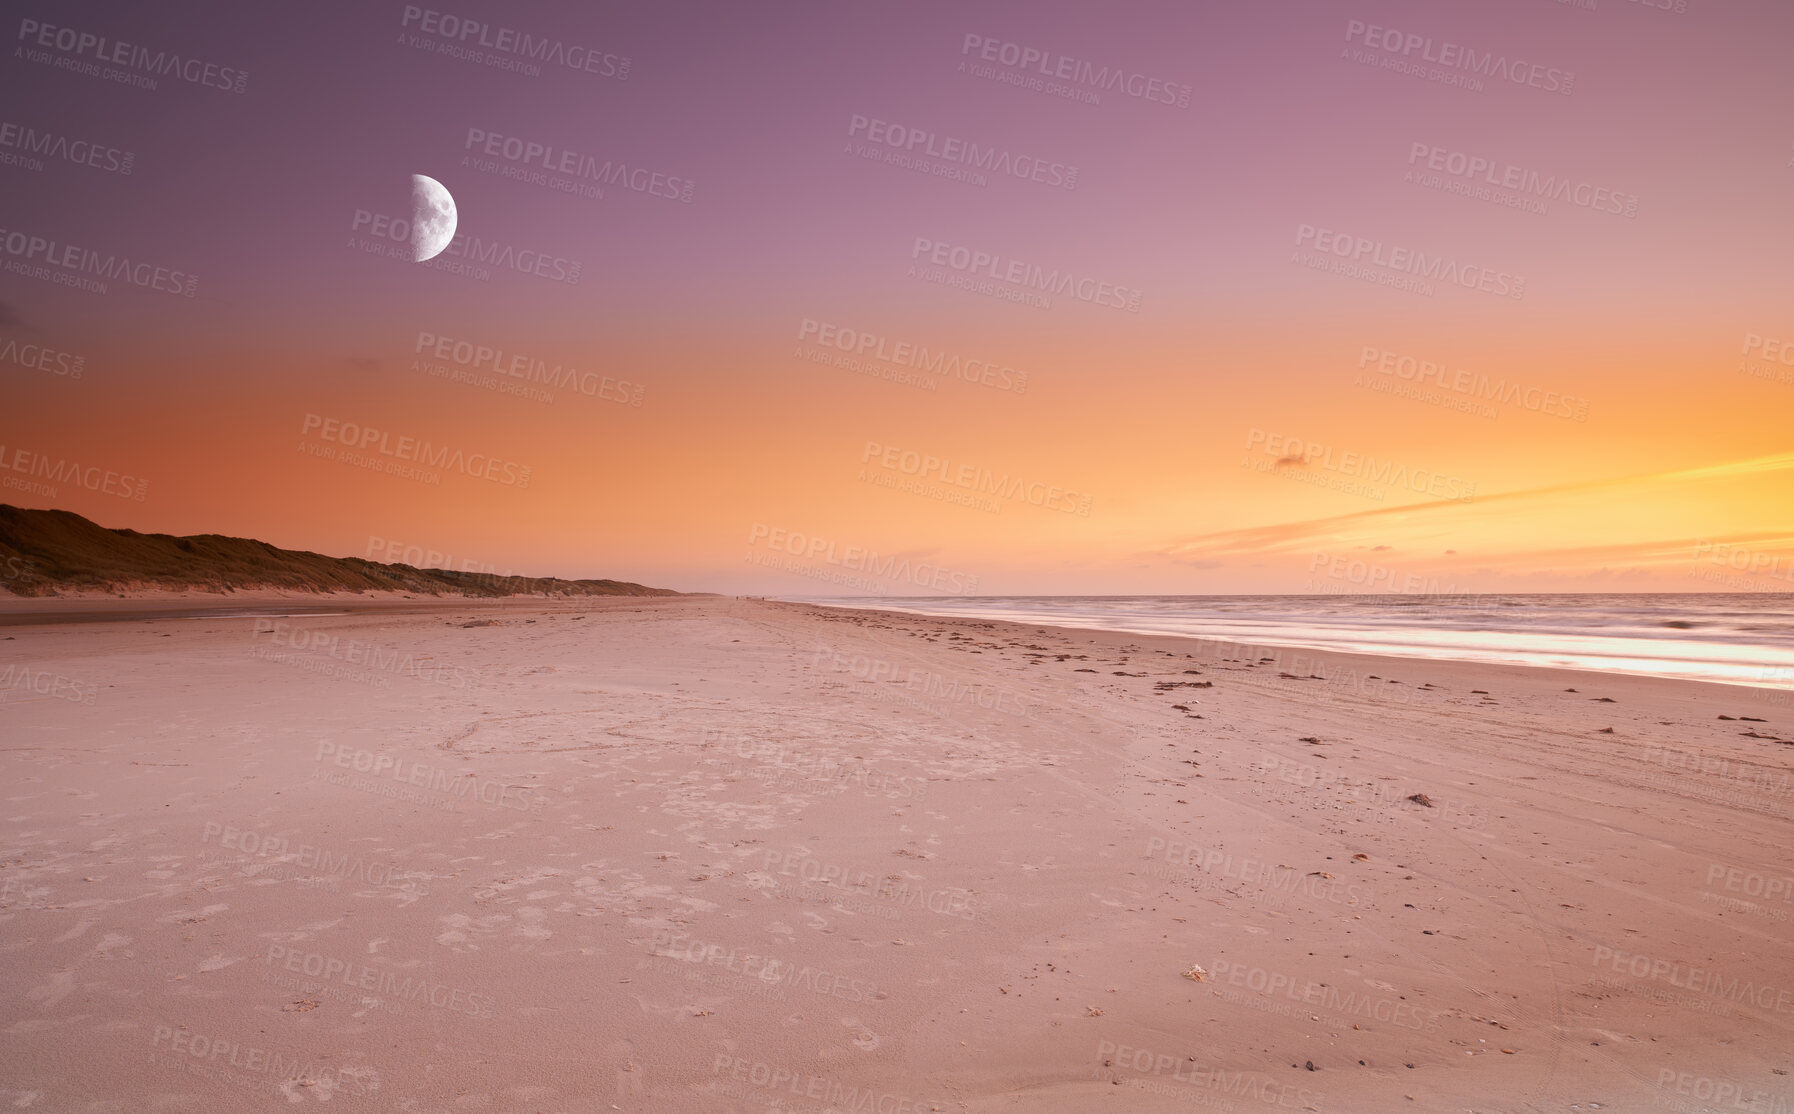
x: 864, y: 1039
x: 58, y: 986
x: 531, y: 924
x: 303, y: 933
x: 322, y: 1089
x: 191, y: 916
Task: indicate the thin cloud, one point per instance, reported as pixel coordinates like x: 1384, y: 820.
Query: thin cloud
x: 1286, y: 537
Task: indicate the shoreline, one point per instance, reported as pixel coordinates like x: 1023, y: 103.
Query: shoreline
x: 1485, y: 657
x: 1364, y: 662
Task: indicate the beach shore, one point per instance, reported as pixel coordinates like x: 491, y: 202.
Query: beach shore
x: 701, y: 853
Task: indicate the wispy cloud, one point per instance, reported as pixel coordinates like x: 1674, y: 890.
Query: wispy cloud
x: 1611, y: 515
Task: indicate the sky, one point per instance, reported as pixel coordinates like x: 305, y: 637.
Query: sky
x: 933, y: 298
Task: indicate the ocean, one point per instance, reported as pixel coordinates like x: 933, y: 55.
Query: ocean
x: 1736, y: 639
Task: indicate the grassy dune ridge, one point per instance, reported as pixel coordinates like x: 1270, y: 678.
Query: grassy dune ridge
x: 49, y: 552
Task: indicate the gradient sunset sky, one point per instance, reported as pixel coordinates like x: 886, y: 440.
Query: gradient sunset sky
x: 1245, y: 420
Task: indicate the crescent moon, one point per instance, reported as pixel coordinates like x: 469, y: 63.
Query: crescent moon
x: 433, y: 217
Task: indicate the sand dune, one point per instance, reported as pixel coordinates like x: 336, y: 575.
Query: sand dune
x: 50, y: 553
x: 711, y: 854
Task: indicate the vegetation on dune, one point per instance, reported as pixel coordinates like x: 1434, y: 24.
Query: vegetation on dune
x: 46, y: 553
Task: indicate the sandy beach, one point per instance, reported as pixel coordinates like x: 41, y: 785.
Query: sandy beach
x: 927, y: 558
x: 719, y: 854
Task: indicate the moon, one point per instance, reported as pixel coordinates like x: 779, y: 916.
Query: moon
x: 432, y: 217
